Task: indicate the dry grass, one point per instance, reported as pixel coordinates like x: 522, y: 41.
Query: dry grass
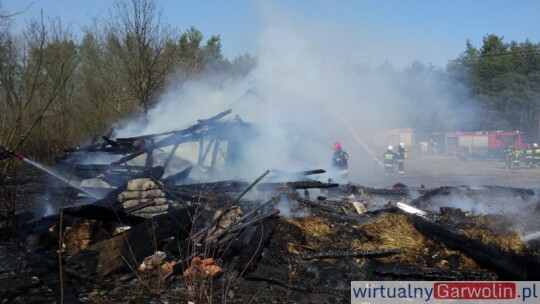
x: 314, y: 228
x: 509, y: 242
x: 390, y: 232
x: 316, y: 233
x: 394, y: 231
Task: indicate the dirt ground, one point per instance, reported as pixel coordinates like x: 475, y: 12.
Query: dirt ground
x: 439, y: 170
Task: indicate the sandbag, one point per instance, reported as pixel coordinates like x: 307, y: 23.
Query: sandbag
x: 135, y: 202
x: 142, y: 184
x: 127, y: 195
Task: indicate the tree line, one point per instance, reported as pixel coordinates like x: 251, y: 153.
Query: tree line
x: 492, y: 87
x: 56, y: 90
x: 505, y: 79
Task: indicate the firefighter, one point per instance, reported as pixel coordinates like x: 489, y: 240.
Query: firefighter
x: 340, y: 162
x: 516, y: 157
x: 512, y: 155
x: 508, y: 156
x: 536, y: 154
x: 389, y: 158
x: 529, y: 156
x: 401, y: 154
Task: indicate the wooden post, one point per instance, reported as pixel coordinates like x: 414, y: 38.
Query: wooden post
x: 214, y: 156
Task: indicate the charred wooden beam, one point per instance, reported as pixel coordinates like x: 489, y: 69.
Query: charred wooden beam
x: 311, y: 185
x: 214, y: 155
x: 349, y: 253
x: 237, y: 222
x: 488, y: 189
x: 223, y: 186
x: 128, y: 144
x: 507, y: 265
x: 102, y: 213
x: 385, y: 191
x: 296, y: 185
x: 176, y: 137
x: 237, y: 228
x: 127, y: 158
x: 170, y: 157
x: 255, y: 182
x: 202, y: 233
x: 206, y: 151
x: 254, y: 221
x: 110, y: 142
x: 469, y: 190
x: 309, y: 203
x: 408, y: 272
x: 284, y: 174
x: 253, y: 244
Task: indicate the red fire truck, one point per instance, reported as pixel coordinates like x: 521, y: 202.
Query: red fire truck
x: 483, y: 144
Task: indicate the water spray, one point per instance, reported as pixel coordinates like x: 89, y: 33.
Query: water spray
x: 355, y: 135
x: 6, y: 153
x: 531, y: 236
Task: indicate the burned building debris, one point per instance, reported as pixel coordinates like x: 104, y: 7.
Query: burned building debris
x: 216, y: 138
x: 287, y: 233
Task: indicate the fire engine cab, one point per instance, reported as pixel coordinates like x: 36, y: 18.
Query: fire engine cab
x: 483, y: 144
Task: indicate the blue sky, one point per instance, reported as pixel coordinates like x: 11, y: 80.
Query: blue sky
x: 431, y: 31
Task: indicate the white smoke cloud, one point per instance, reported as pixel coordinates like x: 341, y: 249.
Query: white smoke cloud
x: 310, y: 88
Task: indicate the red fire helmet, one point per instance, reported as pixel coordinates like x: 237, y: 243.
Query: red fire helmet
x: 336, y: 146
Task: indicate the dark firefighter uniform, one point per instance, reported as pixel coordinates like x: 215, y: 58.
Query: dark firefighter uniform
x: 536, y: 155
x: 389, y: 158
x: 340, y: 162
x: 513, y: 156
x: 529, y: 154
x: 401, y: 154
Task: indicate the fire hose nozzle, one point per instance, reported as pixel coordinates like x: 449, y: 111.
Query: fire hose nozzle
x: 6, y: 153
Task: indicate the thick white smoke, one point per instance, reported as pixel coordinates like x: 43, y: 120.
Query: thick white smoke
x: 309, y: 89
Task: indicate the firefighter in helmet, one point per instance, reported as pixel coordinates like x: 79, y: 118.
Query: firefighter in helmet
x: 529, y: 156
x: 535, y: 154
x: 340, y: 162
x: 401, y: 154
x: 513, y: 156
x: 389, y: 158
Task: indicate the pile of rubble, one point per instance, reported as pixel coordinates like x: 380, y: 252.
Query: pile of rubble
x: 209, y: 236
x: 300, y: 240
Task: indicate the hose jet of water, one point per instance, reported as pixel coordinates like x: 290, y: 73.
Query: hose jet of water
x: 5, y: 153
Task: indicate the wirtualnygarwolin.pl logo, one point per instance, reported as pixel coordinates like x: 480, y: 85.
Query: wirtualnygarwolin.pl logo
x: 445, y: 292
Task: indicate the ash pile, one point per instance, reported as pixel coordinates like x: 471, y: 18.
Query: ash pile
x: 285, y: 236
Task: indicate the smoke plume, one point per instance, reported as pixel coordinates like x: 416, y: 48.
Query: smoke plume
x: 311, y: 86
